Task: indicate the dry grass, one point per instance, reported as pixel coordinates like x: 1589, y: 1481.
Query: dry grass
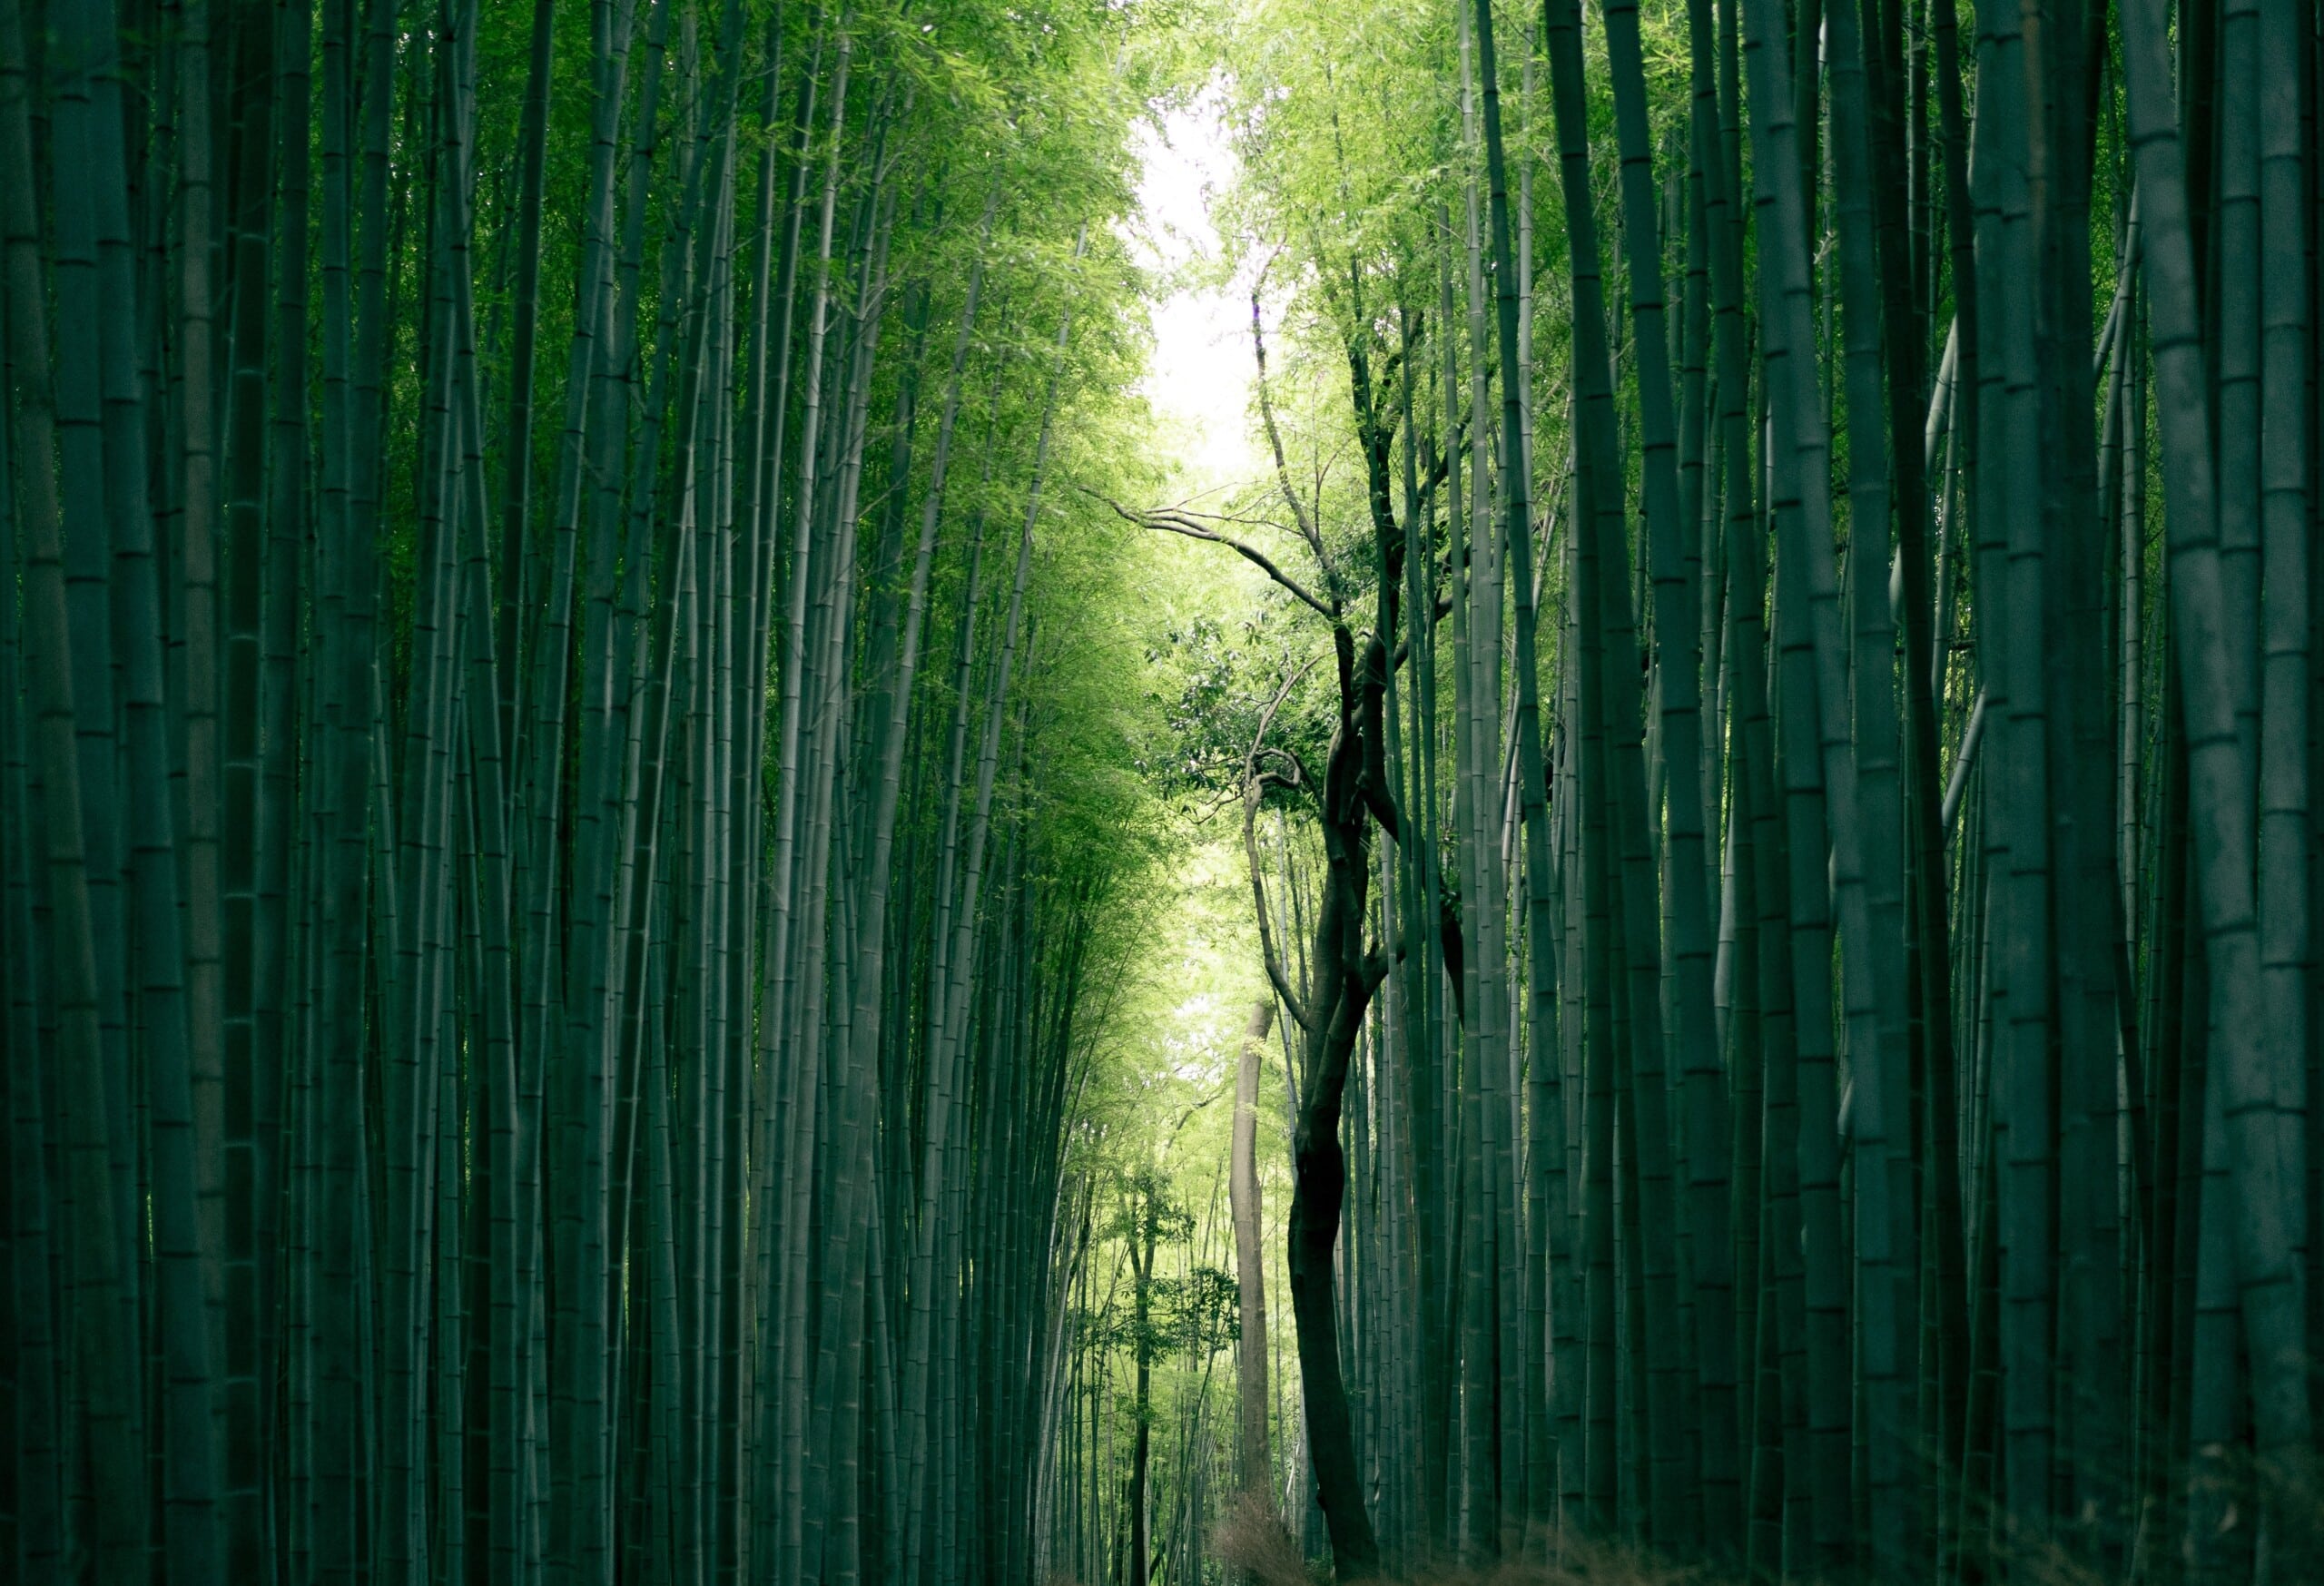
x: 1252, y: 1538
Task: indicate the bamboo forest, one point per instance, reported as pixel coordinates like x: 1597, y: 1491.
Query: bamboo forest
x: 1161, y: 792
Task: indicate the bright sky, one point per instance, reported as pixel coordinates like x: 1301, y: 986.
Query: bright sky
x: 1200, y: 382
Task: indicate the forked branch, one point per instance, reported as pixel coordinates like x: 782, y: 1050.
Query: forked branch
x: 1174, y: 520
x: 1275, y: 438
x: 1254, y: 784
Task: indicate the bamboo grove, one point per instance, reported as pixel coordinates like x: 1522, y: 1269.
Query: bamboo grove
x: 1783, y: 847
x: 562, y: 871
x: 583, y: 777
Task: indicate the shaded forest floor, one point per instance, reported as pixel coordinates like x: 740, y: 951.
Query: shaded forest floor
x: 1255, y: 1545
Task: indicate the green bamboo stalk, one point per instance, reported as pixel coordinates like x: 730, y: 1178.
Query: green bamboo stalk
x: 102, y: 1398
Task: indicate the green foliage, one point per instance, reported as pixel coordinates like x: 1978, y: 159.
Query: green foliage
x: 1203, y: 1307
x: 1193, y: 1315
x: 1226, y: 690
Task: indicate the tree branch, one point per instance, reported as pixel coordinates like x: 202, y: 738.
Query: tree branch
x: 1254, y: 782
x: 1170, y: 520
x: 1274, y: 440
